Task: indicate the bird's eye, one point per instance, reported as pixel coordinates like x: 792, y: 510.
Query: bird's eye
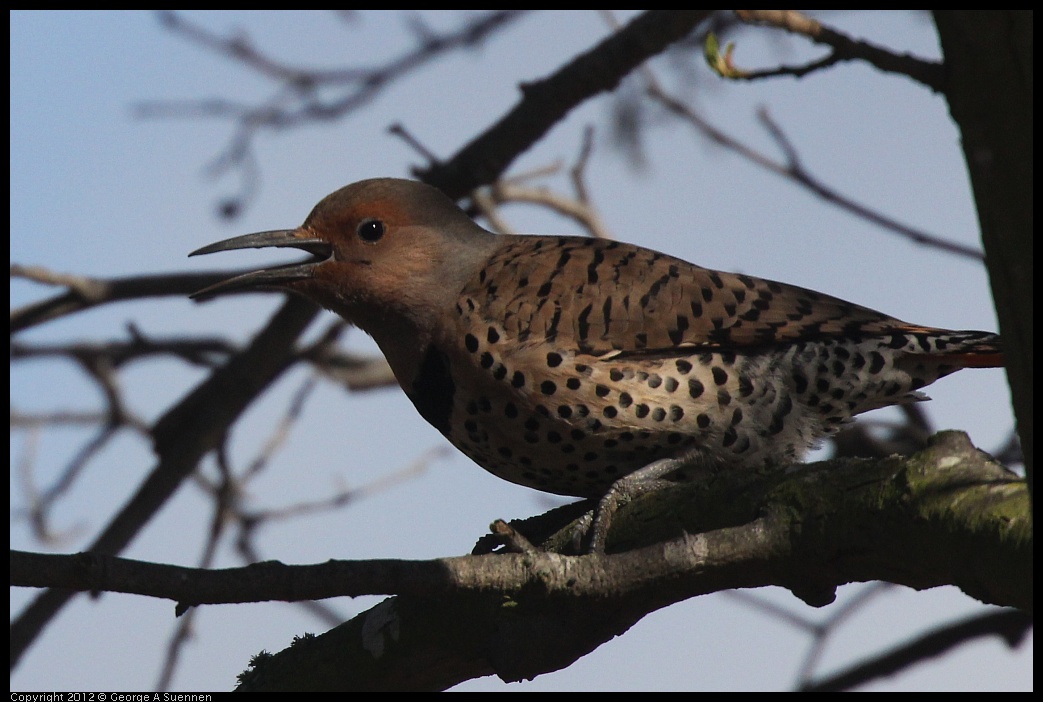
x: 371, y: 230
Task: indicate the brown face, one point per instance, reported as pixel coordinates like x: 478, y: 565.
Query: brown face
x: 384, y: 256
x: 379, y: 251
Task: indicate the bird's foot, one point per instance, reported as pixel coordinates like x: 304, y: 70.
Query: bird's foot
x: 595, y: 525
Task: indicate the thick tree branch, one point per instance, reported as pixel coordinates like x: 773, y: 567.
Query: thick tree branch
x: 942, y: 511
x: 947, y: 515
x: 988, y: 83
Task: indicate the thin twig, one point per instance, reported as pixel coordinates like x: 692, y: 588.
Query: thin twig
x: 302, y: 94
x: 844, y: 48
x: 793, y: 170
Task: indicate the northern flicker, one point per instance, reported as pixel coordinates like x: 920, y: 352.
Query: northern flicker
x: 567, y: 363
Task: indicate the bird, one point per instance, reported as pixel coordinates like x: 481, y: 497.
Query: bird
x: 590, y: 367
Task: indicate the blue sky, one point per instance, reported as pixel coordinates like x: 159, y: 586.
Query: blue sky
x: 96, y: 190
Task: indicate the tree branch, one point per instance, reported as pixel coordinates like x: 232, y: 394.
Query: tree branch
x: 302, y: 94
x: 947, y: 515
x: 794, y: 169
x: 1010, y: 625
x: 844, y: 48
x: 181, y: 437
x: 84, y: 292
x: 988, y: 61
x: 545, y: 102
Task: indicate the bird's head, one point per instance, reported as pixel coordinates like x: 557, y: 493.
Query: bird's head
x: 382, y: 251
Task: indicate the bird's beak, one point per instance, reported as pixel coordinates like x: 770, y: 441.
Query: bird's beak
x: 320, y: 250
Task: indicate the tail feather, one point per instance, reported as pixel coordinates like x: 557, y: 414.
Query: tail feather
x: 961, y: 349
x: 974, y: 359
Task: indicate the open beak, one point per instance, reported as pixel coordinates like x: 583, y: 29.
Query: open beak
x: 320, y: 250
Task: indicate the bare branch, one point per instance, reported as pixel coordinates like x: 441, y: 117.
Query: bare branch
x: 85, y: 293
x: 1010, y: 625
x: 182, y: 436
x: 203, y: 351
x: 578, y: 208
x: 506, y: 191
x: 301, y: 93
x: 301, y: 85
x: 844, y: 48
x: 794, y: 170
x: 545, y: 102
x: 810, y: 551
x: 988, y: 492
